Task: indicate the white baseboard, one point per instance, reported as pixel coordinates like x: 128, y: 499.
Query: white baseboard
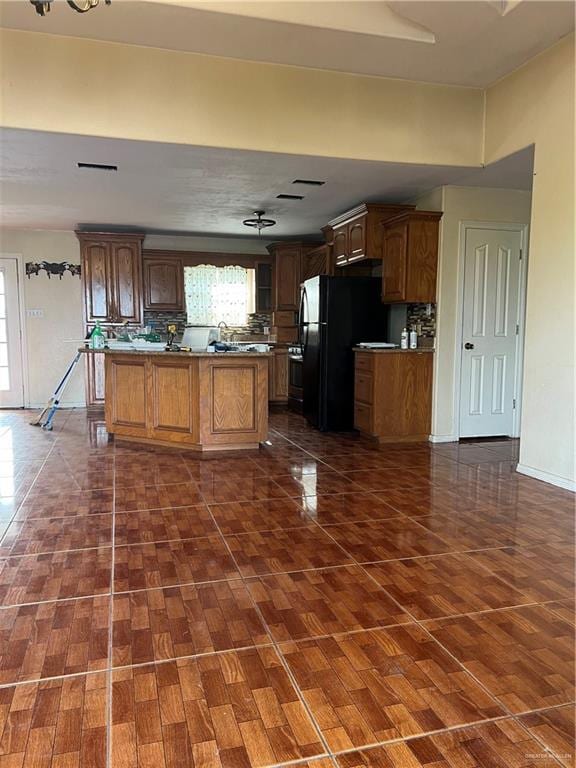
x: 443, y: 438
x: 547, y: 477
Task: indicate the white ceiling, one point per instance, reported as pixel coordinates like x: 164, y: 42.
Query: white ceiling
x: 466, y: 42
x: 179, y: 189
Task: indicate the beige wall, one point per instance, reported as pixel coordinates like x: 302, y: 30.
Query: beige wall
x: 49, y: 348
x: 535, y: 105
x: 108, y: 89
x: 460, y: 204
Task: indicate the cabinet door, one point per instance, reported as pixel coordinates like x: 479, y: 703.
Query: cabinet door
x: 341, y: 245
x: 357, y: 239
x: 263, y: 286
x: 287, y: 278
x: 281, y: 375
x: 394, y: 263
x: 422, y: 261
x: 127, y: 280
x: 97, y: 281
x: 164, y: 284
x: 95, y: 379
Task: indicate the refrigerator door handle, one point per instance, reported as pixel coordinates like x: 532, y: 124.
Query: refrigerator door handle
x: 301, y: 324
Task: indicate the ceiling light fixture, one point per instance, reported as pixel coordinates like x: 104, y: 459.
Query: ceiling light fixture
x: 259, y: 223
x: 43, y: 6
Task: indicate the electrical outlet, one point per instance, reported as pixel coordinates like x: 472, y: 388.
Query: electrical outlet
x: 35, y: 312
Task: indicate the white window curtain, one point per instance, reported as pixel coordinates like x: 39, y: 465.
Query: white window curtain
x: 214, y: 294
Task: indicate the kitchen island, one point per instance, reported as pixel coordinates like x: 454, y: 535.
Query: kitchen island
x: 197, y: 400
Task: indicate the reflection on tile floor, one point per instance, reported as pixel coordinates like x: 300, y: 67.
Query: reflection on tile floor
x: 321, y: 601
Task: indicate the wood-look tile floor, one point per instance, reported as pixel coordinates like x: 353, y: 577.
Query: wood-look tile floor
x: 320, y: 602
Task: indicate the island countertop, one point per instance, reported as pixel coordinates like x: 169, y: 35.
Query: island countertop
x: 166, y: 353
x: 204, y: 401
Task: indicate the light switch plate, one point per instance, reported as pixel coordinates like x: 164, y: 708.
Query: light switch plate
x: 35, y: 312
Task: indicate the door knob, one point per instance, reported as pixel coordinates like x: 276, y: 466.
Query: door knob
x: 468, y: 345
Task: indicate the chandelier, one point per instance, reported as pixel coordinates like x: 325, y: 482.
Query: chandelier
x: 259, y: 223
x: 43, y: 6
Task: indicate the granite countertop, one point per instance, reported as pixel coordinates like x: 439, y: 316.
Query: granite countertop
x: 163, y: 353
x: 393, y: 350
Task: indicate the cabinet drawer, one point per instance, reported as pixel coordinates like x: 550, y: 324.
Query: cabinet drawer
x: 363, y: 361
x: 363, y: 387
x: 284, y: 319
x: 363, y: 417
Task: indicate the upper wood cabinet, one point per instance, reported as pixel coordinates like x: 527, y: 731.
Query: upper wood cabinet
x: 357, y: 234
x: 287, y: 275
x: 163, y: 283
x: 288, y: 260
x: 410, y: 257
x: 263, y: 286
x: 111, y: 277
x: 317, y: 261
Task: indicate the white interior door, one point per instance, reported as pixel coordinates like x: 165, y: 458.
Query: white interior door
x: 11, y: 379
x: 490, y: 327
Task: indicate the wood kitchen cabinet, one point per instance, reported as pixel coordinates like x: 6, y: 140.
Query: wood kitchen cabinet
x: 263, y: 286
x: 287, y: 260
x: 163, y: 281
x: 410, y: 257
x: 356, y: 235
x: 111, y: 277
x: 278, y: 376
x: 393, y: 394
x: 95, y: 380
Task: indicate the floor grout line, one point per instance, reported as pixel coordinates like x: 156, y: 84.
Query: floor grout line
x: 277, y: 649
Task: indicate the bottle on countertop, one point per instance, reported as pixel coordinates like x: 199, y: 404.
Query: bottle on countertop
x: 97, y: 340
x: 404, y: 339
x: 413, y: 339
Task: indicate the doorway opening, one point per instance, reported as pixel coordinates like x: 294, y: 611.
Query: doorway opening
x: 11, y: 350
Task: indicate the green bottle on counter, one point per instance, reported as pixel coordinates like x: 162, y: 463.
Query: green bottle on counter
x: 98, y: 339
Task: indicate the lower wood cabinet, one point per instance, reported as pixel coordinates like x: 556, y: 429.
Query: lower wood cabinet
x: 204, y: 402
x: 95, y: 390
x: 393, y: 394
x: 278, y: 376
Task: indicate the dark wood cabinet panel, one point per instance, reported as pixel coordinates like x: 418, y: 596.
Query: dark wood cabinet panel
x: 393, y: 401
x: 263, y: 286
x: 410, y: 257
x: 111, y: 277
x: 422, y: 260
x: 340, y: 247
x: 395, y: 245
x: 95, y: 380
x: 287, y: 263
x: 278, y: 376
x: 287, y: 278
x: 357, y: 239
x: 127, y: 272
x: 163, y: 281
x: 357, y: 234
x: 97, y: 280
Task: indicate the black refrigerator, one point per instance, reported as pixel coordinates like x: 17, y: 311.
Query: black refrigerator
x: 336, y: 313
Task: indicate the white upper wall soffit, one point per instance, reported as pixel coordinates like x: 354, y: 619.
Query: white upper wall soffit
x: 458, y: 42
x: 184, y: 189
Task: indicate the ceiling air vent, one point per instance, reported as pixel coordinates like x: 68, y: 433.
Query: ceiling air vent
x: 309, y: 182
x: 98, y: 166
x: 290, y: 197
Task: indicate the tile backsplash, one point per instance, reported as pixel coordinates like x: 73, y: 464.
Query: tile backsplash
x: 423, y: 317
x: 254, y: 326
